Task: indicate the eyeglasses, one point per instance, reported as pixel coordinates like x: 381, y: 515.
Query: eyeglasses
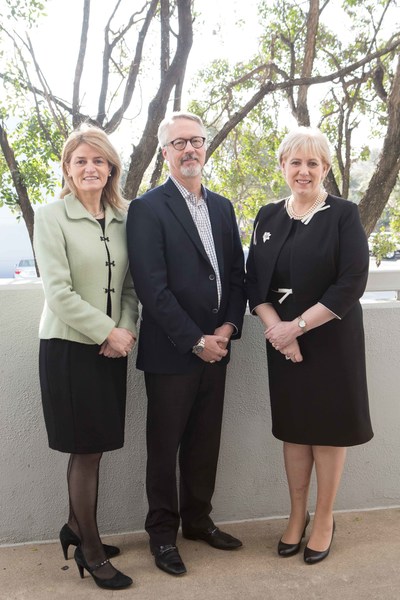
x: 181, y: 143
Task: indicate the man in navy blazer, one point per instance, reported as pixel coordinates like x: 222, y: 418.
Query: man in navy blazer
x: 186, y: 261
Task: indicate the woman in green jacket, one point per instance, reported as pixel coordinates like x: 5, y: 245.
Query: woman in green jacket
x: 87, y: 329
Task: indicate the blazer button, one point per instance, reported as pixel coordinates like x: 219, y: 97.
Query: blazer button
x: 211, y: 277
x: 215, y: 310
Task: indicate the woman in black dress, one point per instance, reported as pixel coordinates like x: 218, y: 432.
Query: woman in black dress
x: 306, y: 271
x: 87, y: 329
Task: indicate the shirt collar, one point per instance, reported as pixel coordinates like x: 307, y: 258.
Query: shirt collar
x: 188, y: 195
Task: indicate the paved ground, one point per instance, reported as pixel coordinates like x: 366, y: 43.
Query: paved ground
x: 364, y: 564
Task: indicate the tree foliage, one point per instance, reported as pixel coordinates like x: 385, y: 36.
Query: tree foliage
x: 343, y: 86
x: 303, y: 68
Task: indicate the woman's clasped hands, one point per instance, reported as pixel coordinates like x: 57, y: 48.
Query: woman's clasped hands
x: 119, y: 343
x: 282, y: 336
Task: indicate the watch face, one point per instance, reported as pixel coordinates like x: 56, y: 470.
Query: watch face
x: 302, y: 323
x: 199, y: 347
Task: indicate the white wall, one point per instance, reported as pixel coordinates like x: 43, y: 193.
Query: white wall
x: 250, y: 483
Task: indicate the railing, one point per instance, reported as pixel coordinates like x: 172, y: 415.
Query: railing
x: 386, y: 279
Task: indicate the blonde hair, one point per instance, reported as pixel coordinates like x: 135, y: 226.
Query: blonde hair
x: 305, y: 138
x: 98, y: 139
x: 162, y: 133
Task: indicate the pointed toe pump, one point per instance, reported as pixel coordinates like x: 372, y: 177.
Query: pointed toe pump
x: 69, y: 538
x: 313, y: 556
x: 118, y: 582
x: 286, y: 550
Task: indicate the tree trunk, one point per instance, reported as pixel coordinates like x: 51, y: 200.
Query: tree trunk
x: 384, y: 178
x: 144, y: 152
x: 302, y: 113
x: 22, y: 192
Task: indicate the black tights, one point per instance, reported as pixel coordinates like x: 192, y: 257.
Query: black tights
x: 83, y: 484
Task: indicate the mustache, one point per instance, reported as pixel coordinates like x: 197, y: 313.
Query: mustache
x: 189, y: 156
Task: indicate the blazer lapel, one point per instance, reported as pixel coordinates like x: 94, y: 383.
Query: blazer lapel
x: 178, y: 206
x: 272, y: 233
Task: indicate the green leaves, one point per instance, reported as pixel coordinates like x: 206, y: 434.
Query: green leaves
x: 22, y: 10
x: 38, y: 160
x: 245, y: 168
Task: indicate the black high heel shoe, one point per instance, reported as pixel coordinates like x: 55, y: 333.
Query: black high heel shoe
x: 69, y: 538
x: 292, y: 549
x: 118, y: 582
x: 313, y: 556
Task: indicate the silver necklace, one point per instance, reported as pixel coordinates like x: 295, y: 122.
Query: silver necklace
x: 296, y: 216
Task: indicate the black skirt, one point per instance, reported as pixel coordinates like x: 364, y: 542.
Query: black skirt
x: 83, y: 396
x: 324, y: 399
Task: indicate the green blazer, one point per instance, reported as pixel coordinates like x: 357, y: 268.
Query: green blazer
x: 73, y: 256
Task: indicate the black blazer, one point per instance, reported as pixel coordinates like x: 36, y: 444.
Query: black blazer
x: 174, y: 279
x: 330, y: 257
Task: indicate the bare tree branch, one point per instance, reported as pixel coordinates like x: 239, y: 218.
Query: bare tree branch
x: 165, y: 43
x: 79, y: 64
x: 133, y: 71
x: 107, y: 58
x: 271, y: 86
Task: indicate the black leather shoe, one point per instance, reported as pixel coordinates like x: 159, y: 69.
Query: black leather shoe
x: 118, y: 582
x: 215, y: 538
x: 167, y: 559
x: 68, y: 538
x: 313, y: 556
x: 292, y: 549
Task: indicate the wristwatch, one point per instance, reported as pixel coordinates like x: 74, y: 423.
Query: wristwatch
x: 199, y: 345
x: 301, y: 323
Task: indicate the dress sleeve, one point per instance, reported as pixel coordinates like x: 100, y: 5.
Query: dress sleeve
x: 352, y: 264
x: 129, y: 305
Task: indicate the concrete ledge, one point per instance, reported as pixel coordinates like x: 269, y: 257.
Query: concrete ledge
x: 251, y: 482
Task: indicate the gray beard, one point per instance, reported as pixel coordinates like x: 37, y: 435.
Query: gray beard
x: 192, y: 171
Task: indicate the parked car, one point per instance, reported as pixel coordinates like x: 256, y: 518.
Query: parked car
x: 25, y: 269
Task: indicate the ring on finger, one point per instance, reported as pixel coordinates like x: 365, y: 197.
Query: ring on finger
x: 212, y: 361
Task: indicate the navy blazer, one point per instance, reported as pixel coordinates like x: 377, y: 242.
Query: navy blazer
x: 330, y: 257
x: 175, y: 281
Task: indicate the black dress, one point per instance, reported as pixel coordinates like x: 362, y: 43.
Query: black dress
x: 83, y: 395
x: 324, y: 399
